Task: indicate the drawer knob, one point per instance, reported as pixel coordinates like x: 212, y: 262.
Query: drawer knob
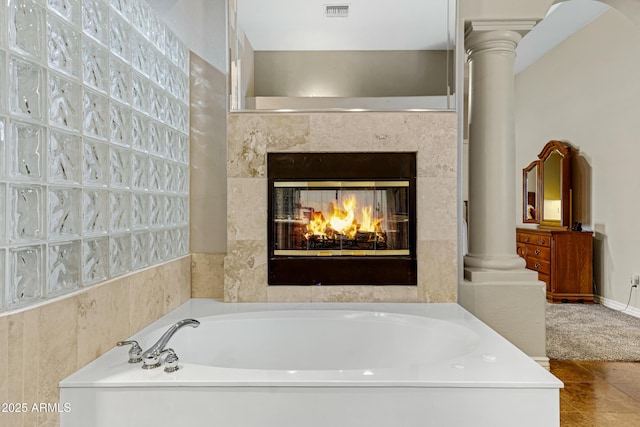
x: 543, y: 241
x: 526, y: 239
x: 537, y: 265
x: 537, y: 251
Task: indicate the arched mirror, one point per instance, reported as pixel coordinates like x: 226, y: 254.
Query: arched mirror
x: 555, y: 184
x: 531, y: 193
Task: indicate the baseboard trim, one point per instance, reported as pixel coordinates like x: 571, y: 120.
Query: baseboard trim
x: 615, y: 305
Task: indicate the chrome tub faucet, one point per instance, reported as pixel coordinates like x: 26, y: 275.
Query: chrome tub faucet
x: 151, y: 357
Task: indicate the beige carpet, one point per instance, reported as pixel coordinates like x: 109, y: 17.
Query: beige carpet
x: 591, y: 332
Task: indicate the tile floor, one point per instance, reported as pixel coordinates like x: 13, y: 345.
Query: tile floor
x: 598, y: 394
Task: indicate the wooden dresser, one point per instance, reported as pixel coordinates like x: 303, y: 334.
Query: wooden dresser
x: 563, y: 260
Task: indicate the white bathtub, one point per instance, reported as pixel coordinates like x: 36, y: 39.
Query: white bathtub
x: 313, y: 365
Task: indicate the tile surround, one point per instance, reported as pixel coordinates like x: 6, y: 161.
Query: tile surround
x: 245, y: 271
x: 250, y: 136
x: 207, y: 276
x: 40, y: 346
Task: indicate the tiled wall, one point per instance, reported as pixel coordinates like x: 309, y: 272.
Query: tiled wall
x: 431, y: 134
x: 94, y: 145
x: 41, y: 346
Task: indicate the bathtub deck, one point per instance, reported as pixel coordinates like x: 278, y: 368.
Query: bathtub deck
x: 494, y: 384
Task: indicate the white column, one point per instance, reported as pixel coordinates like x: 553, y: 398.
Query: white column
x: 491, y: 55
x: 497, y: 288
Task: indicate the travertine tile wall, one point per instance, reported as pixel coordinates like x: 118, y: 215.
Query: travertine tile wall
x: 207, y: 275
x: 41, y: 346
x: 432, y: 135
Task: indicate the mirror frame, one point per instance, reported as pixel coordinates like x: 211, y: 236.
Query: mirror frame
x: 564, y: 150
x: 525, y: 192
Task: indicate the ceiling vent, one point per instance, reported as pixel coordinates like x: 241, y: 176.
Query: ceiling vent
x: 336, y: 10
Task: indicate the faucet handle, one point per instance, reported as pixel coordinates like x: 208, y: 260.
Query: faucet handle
x: 171, y: 361
x: 135, y: 352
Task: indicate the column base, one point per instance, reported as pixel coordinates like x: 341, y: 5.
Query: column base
x: 481, y: 275
x: 513, y: 303
x: 508, y: 262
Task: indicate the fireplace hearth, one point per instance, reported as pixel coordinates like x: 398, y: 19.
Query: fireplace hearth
x: 342, y: 218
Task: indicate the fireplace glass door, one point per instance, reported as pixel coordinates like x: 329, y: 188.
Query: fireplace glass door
x: 341, y: 218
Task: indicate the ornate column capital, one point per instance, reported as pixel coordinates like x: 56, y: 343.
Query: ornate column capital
x: 495, y: 36
x: 521, y: 27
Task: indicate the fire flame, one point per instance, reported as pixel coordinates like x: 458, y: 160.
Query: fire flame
x: 343, y: 221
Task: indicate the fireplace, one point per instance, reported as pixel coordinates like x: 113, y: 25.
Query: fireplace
x: 342, y: 218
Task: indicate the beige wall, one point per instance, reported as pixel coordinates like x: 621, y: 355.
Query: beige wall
x: 208, y: 188
x: 352, y: 73
x: 242, y: 64
x: 42, y: 345
x: 251, y: 135
x: 248, y: 70
x: 586, y: 92
x: 208, y: 155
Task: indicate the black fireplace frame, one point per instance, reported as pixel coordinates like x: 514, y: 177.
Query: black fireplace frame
x: 344, y: 270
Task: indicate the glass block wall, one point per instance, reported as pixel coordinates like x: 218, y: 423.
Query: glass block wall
x: 94, y: 145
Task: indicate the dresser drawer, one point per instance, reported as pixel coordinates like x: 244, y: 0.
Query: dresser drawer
x: 538, y: 265
x: 527, y: 238
x: 534, y: 239
x: 540, y: 252
x: 544, y: 240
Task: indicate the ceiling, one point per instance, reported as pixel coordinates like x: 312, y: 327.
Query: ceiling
x: 371, y: 24
x: 391, y: 25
